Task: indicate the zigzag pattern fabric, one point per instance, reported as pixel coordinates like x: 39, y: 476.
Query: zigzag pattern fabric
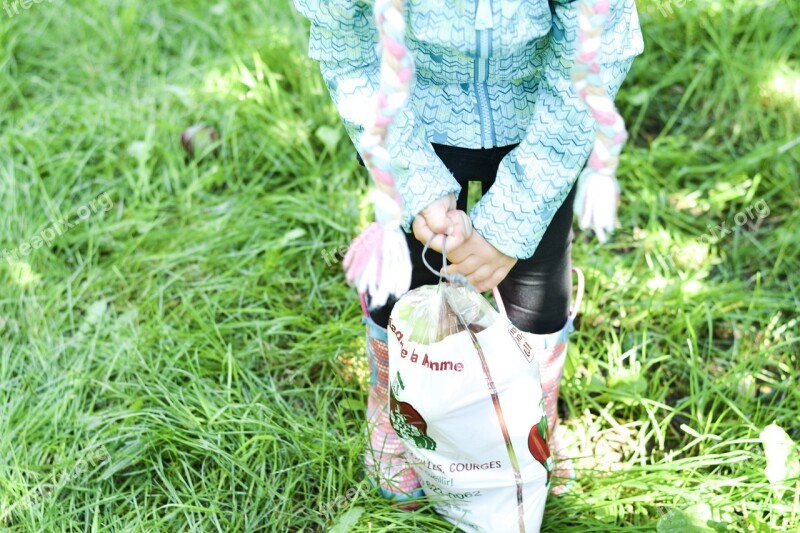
x: 488, y: 73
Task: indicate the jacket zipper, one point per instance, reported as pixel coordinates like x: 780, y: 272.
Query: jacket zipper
x: 483, y: 37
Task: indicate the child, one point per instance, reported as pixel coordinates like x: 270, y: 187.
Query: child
x: 492, y: 101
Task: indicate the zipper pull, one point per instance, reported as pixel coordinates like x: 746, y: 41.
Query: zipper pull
x: 483, y: 19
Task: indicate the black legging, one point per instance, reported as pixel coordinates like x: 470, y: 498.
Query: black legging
x: 537, y: 291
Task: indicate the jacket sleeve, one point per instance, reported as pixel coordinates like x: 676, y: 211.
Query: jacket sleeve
x: 534, y: 178
x: 343, y: 38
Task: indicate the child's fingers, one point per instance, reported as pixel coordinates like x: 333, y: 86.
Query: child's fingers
x: 437, y: 221
x: 492, y: 281
x: 436, y: 213
x: 456, y: 252
x: 467, y: 267
x: 459, y: 221
x: 480, y: 277
x: 454, y: 241
x: 423, y: 232
x: 459, y: 230
x: 457, y: 226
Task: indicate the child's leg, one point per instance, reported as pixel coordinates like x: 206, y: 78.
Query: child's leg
x: 537, y: 302
x: 537, y: 292
x: 536, y: 295
x: 385, y: 457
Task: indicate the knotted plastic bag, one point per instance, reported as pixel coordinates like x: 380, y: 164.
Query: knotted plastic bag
x: 466, y: 399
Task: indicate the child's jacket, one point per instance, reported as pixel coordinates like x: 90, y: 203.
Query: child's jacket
x: 489, y: 73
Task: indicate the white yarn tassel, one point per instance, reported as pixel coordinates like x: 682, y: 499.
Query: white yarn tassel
x: 596, y: 203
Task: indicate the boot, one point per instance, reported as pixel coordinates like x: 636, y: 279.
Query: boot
x: 385, y: 460
x: 550, y: 351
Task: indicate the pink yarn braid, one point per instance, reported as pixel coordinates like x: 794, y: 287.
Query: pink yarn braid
x: 377, y: 261
x: 588, y: 78
x: 598, y: 190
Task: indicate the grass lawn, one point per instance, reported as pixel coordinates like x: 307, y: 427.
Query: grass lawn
x: 179, y: 351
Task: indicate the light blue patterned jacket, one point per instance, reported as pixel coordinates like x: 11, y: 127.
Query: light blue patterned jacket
x: 489, y: 73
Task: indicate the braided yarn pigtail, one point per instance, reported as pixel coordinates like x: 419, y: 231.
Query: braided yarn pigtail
x: 377, y: 261
x: 597, y: 197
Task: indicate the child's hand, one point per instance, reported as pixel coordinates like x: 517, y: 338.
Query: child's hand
x: 442, y: 218
x: 483, y: 265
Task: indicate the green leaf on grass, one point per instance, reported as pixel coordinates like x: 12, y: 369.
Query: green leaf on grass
x: 353, y: 404
x: 693, y: 519
x: 348, y: 520
x: 292, y: 235
x: 329, y: 136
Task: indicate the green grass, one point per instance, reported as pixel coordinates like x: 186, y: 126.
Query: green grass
x: 188, y: 360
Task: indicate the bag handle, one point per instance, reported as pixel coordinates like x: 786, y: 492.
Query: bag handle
x: 457, y: 279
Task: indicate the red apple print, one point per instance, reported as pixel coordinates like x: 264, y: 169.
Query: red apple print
x: 409, y: 414
x: 409, y: 424
x: 537, y: 444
